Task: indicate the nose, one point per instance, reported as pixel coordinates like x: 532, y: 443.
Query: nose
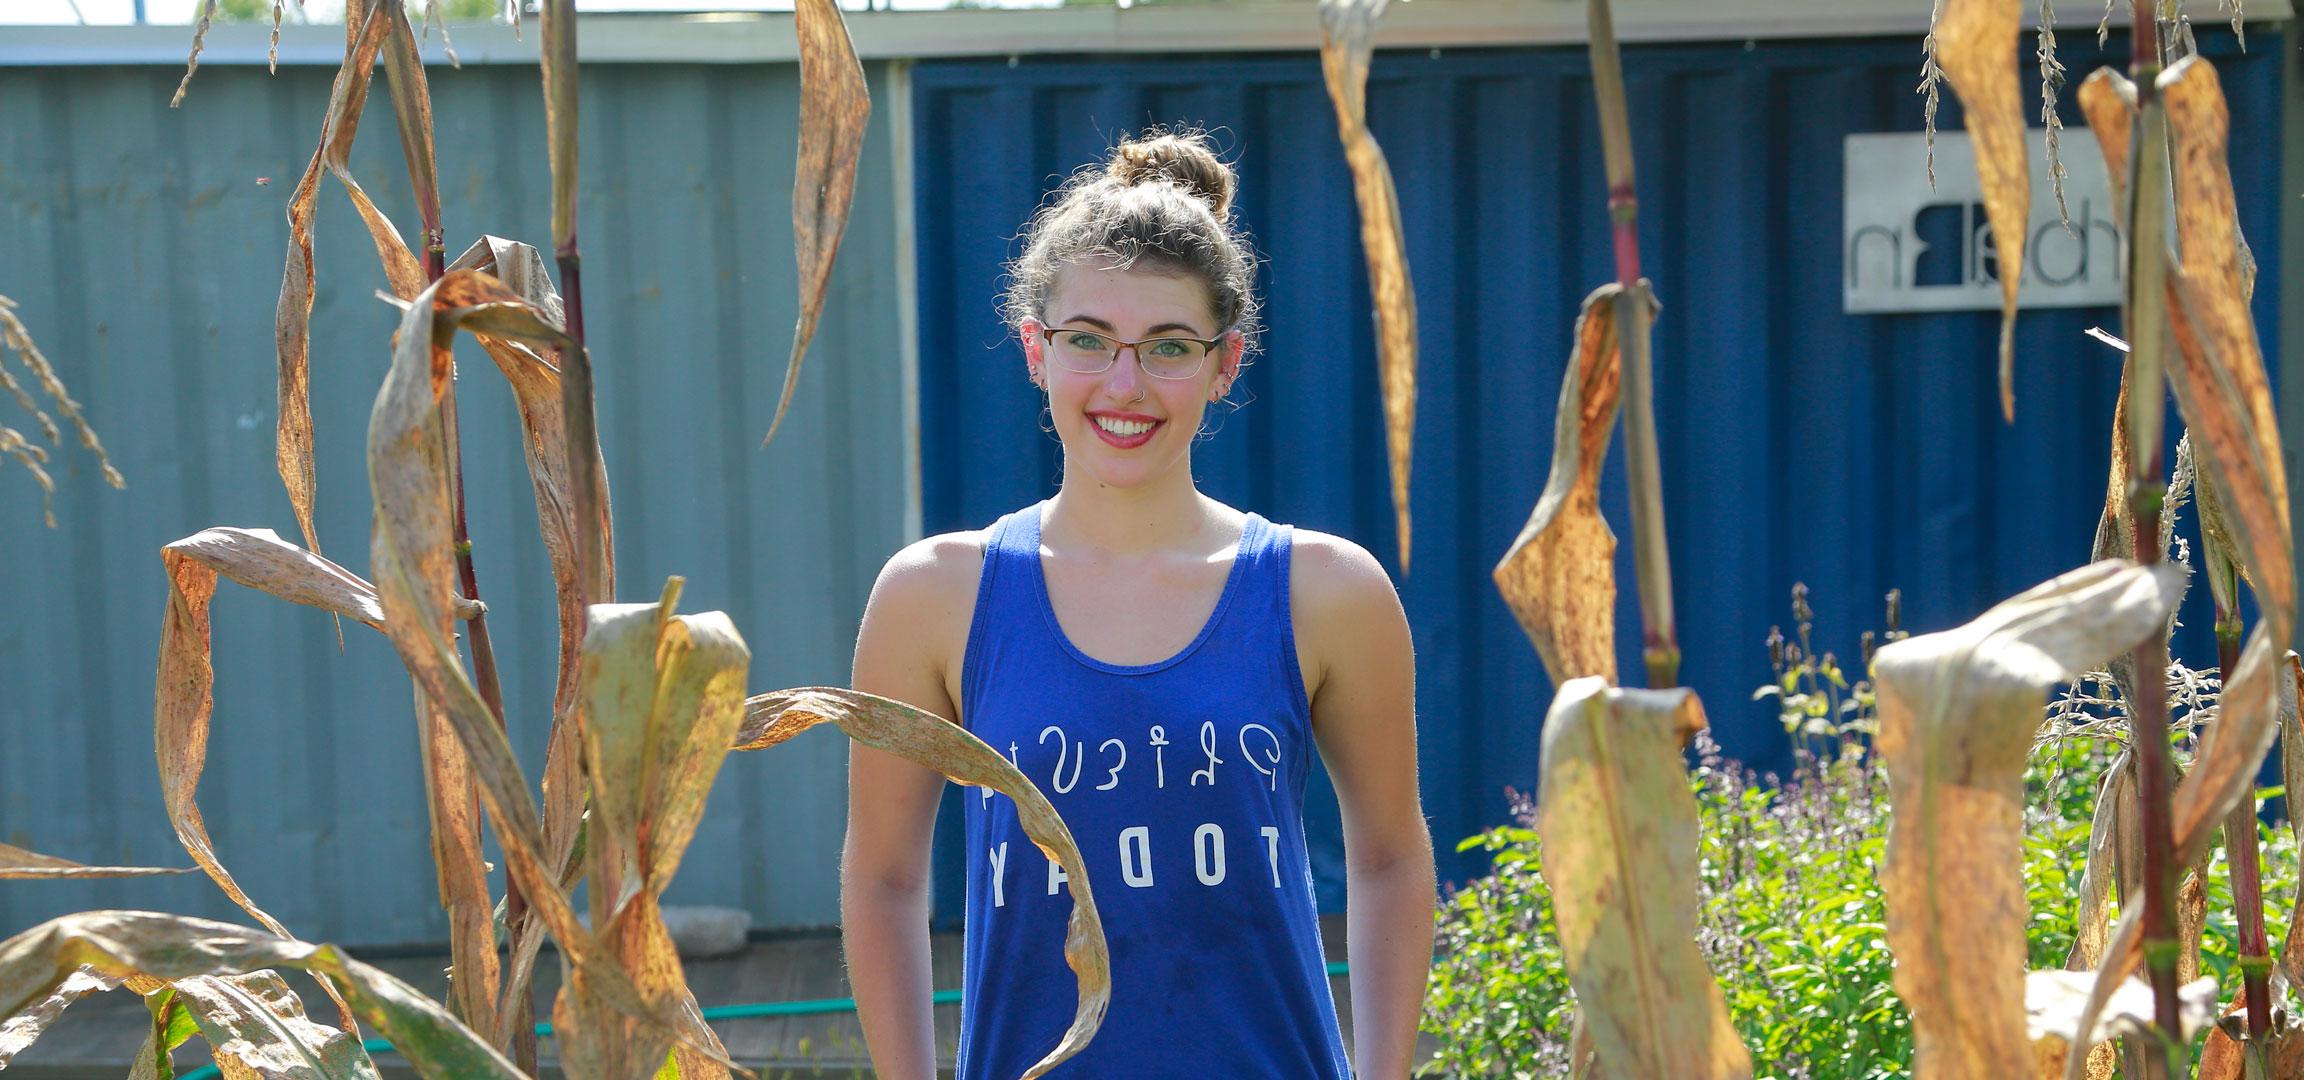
x: 1126, y: 380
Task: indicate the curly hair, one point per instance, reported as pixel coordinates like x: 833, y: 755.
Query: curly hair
x: 1164, y: 202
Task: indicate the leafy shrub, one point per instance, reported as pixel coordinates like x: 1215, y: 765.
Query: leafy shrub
x: 1792, y: 916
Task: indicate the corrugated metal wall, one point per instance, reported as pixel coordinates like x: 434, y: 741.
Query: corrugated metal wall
x: 1855, y: 453
x: 146, y: 253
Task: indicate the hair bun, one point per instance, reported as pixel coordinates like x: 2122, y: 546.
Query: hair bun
x: 1183, y: 159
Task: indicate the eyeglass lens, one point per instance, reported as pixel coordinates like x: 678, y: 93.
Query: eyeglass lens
x: 1089, y: 353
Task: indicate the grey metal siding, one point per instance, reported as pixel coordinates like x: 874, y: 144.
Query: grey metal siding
x: 147, y: 256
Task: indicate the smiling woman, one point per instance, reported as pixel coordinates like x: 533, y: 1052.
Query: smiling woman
x: 1166, y: 668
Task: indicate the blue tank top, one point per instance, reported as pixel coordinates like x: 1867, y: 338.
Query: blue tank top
x: 1183, y: 784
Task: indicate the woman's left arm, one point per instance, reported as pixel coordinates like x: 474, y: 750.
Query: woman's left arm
x: 1364, y: 719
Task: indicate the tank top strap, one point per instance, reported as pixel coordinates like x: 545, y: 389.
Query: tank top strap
x: 1260, y: 587
x: 1007, y: 598
x: 1257, y: 615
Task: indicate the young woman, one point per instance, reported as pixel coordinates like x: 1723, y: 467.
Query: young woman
x: 1163, y: 666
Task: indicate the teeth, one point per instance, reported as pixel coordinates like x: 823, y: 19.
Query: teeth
x: 1123, y: 428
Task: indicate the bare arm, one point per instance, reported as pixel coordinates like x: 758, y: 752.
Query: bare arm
x: 1364, y: 718
x: 901, y: 653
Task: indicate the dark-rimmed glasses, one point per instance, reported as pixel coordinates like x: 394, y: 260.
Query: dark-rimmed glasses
x: 1088, y: 352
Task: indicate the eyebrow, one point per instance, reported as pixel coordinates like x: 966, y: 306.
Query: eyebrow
x: 1108, y: 328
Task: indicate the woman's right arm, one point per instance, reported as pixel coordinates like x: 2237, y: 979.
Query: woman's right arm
x: 915, y: 628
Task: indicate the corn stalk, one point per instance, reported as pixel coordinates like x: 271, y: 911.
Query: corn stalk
x: 1635, y: 307
x: 455, y: 802
x: 2147, y: 335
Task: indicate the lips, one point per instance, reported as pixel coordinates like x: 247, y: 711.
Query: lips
x: 1124, y: 431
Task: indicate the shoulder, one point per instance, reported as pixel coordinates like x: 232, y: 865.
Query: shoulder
x: 1344, y: 607
x: 931, y: 573
x: 915, y: 627
x: 1329, y: 575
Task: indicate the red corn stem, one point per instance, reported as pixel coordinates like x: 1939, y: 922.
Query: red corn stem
x: 1659, y: 643
x: 560, y: 98
x: 2147, y: 336
x: 2246, y: 862
x: 558, y: 58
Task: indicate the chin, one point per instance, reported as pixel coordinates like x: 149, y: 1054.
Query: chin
x: 1117, y: 469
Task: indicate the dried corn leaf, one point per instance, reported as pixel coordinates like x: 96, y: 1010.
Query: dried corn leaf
x: 130, y: 944
x: 596, y: 1041
x: 184, y: 696
x: 2111, y: 849
x: 1347, y: 36
x: 1582, y: 1055
x: 2191, y: 920
x: 1958, y: 711
x: 2108, y: 100
x: 414, y: 562
x: 412, y: 114
x: 415, y: 565
x: 2053, y: 1001
x: 364, y: 35
x: 834, y: 107
x: 535, y: 386
x: 453, y: 798
x: 1559, y: 577
x: 663, y: 696
x: 259, y: 1024
x: 1976, y: 46
x: 2226, y: 398
x: 24, y: 1027
x: 17, y: 863
x: 2223, y: 1057
x: 2292, y: 778
x: 2116, y: 523
x: 948, y: 748
x: 1618, y: 826
x: 260, y: 559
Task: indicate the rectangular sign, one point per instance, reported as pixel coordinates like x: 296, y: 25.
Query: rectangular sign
x: 1905, y: 247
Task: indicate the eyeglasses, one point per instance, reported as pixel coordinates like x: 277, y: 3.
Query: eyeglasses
x: 1090, y: 353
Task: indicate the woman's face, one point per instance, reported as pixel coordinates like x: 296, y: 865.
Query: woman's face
x: 1124, y: 425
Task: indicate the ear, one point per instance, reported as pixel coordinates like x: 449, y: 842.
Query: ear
x: 1028, y: 334
x: 1228, y: 355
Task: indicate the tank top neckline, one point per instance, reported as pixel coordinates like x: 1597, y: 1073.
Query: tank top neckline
x: 1251, y: 534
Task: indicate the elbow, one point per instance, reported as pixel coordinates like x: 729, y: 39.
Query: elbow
x: 881, y: 880
x: 1410, y: 857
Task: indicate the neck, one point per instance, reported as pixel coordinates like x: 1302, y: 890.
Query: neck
x: 1164, y: 514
